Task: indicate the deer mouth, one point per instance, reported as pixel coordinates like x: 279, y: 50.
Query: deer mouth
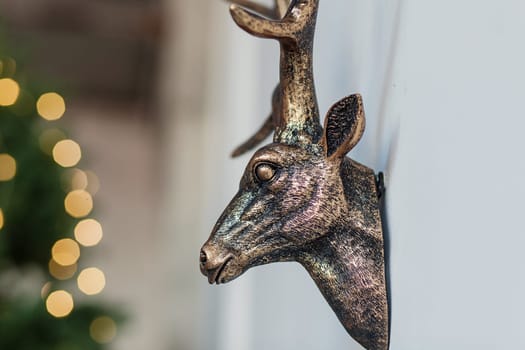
x: 215, y: 274
x: 218, y: 278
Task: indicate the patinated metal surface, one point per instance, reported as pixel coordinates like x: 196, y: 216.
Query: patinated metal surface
x: 300, y: 198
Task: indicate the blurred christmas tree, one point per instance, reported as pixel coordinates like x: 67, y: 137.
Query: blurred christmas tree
x: 45, y: 203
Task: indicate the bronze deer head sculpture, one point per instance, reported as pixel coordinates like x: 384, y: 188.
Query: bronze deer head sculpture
x: 300, y: 198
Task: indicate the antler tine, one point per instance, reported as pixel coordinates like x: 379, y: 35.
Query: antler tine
x: 292, y: 26
x: 279, y: 10
x: 299, y: 117
x: 263, y: 132
x: 266, y: 129
x: 255, y: 7
x: 255, y: 24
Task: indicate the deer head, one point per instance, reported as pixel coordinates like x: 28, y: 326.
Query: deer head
x: 300, y: 198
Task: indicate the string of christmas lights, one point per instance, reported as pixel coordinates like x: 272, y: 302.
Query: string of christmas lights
x: 80, y: 187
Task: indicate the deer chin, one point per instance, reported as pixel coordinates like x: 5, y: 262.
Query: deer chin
x: 229, y: 271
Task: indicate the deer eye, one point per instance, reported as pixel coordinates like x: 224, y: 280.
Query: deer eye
x: 264, y: 172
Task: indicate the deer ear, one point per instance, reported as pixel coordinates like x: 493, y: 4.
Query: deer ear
x: 343, y: 127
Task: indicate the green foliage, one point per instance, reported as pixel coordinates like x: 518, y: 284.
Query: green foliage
x: 26, y: 325
x: 33, y: 201
x: 34, y: 218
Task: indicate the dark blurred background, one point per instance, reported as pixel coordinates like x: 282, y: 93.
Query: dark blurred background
x: 105, y: 50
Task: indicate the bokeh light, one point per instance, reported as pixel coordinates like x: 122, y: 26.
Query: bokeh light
x: 93, y: 183
x: 7, y: 167
x: 49, y: 138
x: 103, y: 330
x: 74, y: 179
x: 61, y: 272
x: 78, y: 203
x: 91, y: 281
x: 45, y: 289
x: 8, y: 66
x: 65, y: 252
x: 79, y: 180
x: 51, y: 106
x: 88, y: 232
x: 67, y: 153
x: 9, y: 91
x: 59, y: 303
x: 1, y: 218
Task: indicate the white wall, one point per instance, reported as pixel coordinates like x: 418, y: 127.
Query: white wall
x: 456, y: 182
x: 442, y: 84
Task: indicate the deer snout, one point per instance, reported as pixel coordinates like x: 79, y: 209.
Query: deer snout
x: 212, y: 262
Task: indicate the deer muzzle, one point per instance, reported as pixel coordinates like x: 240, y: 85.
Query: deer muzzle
x: 213, y: 262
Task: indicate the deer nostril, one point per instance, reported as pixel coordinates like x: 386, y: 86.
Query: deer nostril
x: 203, y: 258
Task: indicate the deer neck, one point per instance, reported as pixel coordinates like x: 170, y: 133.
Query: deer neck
x: 348, y: 279
x: 347, y: 266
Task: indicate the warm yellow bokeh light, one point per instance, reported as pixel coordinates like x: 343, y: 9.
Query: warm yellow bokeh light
x: 88, y: 232
x: 8, y: 67
x: 61, y: 272
x: 91, y: 281
x: 74, y: 179
x: 79, y: 180
x: 45, y: 289
x: 9, y: 91
x: 59, y: 303
x: 1, y: 218
x: 51, y: 106
x: 65, y: 252
x: 7, y: 167
x: 103, y: 330
x: 67, y: 153
x: 49, y: 138
x: 78, y: 203
x: 93, y: 182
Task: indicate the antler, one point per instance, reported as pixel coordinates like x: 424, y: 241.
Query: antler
x: 297, y: 120
x: 266, y: 129
x: 275, y: 13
